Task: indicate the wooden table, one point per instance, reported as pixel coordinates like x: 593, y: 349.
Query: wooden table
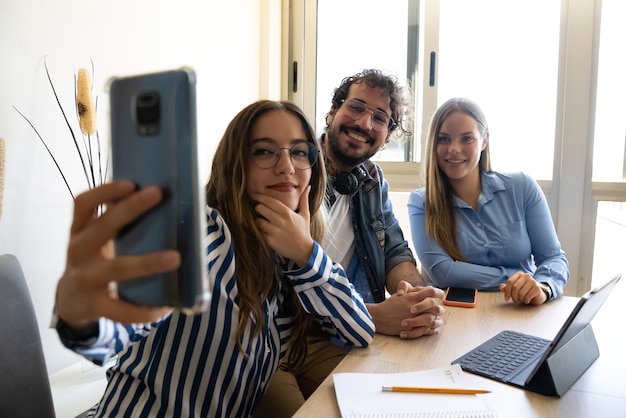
x: 599, y: 393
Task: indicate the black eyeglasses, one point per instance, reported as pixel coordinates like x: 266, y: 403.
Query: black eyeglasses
x: 266, y: 154
x: 355, y: 109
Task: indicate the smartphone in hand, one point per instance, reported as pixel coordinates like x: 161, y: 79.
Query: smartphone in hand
x: 460, y: 296
x: 154, y: 142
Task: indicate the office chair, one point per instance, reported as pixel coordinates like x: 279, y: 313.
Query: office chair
x: 24, y: 384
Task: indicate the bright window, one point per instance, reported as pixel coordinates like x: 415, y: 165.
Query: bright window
x: 610, y: 117
x: 353, y: 35
x: 504, y: 55
x: 609, y: 141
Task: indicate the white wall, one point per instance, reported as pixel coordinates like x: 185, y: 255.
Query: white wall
x: 218, y: 38
x: 399, y: 201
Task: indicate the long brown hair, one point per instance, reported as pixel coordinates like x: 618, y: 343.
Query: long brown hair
x: 256, y: 263
x: 441, y: 222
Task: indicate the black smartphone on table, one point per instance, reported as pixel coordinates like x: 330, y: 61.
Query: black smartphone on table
x: 460, y: 296
x: 154, y: 142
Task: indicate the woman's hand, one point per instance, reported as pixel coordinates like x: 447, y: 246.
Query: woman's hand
x: 286, y: 232
x: 523, y: 288
x: 83, y: 292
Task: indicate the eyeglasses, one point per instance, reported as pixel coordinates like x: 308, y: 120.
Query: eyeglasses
x: 266, y: 154
x: 355, y: 109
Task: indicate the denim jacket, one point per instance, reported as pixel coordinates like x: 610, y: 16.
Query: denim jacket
x: 380, y: 243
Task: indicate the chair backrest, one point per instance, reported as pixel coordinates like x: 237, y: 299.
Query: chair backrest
x: 24, y: 383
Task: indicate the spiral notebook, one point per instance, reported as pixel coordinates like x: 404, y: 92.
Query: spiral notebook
x: 360, y: 395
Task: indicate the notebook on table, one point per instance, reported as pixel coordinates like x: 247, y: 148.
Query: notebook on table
x: 548, y: 367
x: 361, y: 395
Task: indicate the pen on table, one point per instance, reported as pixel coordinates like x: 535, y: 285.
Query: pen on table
x: 433, y: 390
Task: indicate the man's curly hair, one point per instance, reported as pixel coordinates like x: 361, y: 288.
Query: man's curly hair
x: 401, y: 102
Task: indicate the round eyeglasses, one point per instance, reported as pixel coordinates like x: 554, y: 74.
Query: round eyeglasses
x: 266, y: 154
x: 355, y: 109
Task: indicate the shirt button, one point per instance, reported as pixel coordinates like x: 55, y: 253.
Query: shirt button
x: 485, y: 245
x: 478, y: 224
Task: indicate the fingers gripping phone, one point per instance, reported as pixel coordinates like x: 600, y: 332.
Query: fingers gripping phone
x: 459, y: 296
x: 154, y: 142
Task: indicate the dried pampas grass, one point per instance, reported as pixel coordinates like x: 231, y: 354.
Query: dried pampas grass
x: 85, y: 103
x: 89, y: 152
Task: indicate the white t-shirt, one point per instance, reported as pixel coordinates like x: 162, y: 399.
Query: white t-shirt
x: 338, y: 241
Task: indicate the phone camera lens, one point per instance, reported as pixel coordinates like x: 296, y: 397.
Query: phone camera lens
x: 148, y: 111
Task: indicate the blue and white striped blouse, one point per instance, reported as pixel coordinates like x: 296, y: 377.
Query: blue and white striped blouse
x: 191, y: 366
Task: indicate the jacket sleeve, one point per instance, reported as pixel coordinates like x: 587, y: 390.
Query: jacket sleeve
x: 325, y: 291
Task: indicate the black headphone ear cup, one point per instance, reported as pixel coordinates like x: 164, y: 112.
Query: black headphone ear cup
x: 345, y: 183
x: 348, y: 182
x: 361, y: 174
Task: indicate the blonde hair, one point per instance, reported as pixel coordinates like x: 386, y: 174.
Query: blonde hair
x: 440, y: 216
x: 256, y: 263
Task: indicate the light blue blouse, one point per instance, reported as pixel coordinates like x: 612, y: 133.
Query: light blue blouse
x: 510, y: 231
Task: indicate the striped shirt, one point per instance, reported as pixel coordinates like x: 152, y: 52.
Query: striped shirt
x: 191, y: 366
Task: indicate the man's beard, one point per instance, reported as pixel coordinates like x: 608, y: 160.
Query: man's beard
x: 334, y: 144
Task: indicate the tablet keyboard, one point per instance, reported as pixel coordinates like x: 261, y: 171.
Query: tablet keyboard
x: 503, y: 355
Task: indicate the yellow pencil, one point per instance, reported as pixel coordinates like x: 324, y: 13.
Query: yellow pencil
x: 433, y: 390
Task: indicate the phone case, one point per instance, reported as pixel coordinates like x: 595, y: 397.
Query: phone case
x: 458, y: 296
x: 154, y: 142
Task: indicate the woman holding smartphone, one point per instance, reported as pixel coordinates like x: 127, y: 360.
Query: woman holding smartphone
x: 476, y: 228
x: 268, y: 277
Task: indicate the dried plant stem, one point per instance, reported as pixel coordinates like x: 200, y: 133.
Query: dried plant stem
x: 80, y: 155
x: 47, y: 149
x: 86, y: 111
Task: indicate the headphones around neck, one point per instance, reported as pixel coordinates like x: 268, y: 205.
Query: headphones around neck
x: 348, y: 182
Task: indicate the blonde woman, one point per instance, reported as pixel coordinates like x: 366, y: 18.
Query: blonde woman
x: 268, y: 277
x: 477, y: 228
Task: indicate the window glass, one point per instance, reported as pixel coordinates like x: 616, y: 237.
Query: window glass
x: 609, y: 141
x: 357, y: 34
x: 504, y: 55
x: 610, y: 117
